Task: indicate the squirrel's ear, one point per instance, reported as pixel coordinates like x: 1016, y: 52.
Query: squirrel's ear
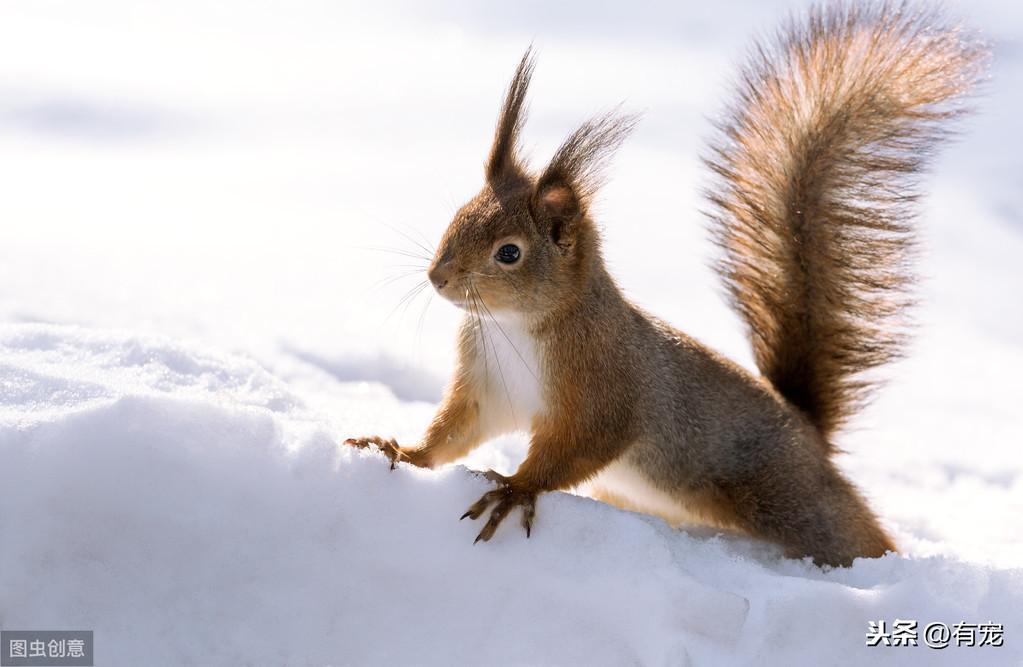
x: 567, y: 185
x: 556, y: 208
x: 503, y: 161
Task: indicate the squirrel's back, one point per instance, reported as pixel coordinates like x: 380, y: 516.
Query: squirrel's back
x: 813, y: 200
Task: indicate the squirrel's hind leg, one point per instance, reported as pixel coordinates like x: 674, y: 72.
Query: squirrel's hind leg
x: 810, y: 511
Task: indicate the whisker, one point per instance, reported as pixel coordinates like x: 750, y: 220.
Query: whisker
x: 421, y: 267
x: 477, y: 327
x: 422, y: 318
x: 383, y: 282
x: 407, y: 299
x: 428, y: 251
x: 503, y: 333
x: 408, y: 302
x: 497, y: 357
x: 427, y: 244
x: 379, y: 220
x: 395, y: 251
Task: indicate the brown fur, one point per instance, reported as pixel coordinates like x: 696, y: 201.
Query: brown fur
x: 811, y: 211
x: 814, y: 202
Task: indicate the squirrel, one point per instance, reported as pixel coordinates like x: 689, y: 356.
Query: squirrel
x: 811, y: 208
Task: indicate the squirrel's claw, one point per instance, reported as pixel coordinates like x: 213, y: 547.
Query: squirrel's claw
x: 506, y: 498
x: 389, y: 447
x: 483, y: 503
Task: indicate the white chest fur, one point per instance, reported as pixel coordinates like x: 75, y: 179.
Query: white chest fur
x: 508, y: 365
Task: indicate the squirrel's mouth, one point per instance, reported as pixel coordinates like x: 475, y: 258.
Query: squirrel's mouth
x: 467, y: 296
x: 462, y: 301
x: 465, y: 300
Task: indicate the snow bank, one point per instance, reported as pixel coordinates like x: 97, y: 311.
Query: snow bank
x: 190, y: 508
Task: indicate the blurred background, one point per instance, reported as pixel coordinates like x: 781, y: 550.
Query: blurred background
x: 260, y: 176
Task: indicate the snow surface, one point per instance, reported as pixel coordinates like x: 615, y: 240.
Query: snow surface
x: 192, y: 317
x: 190, y: 508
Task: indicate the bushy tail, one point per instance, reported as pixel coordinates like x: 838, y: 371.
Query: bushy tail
x: 815, y: 188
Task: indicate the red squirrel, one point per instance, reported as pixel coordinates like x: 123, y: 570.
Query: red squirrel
x: 812, y: 206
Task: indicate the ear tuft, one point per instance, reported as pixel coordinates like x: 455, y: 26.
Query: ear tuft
x: 580, y: 161
x: 567, y: 185
x: 503, y: 161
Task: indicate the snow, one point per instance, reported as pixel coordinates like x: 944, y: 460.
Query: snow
x: 191, y: 320
x: 187, y: 506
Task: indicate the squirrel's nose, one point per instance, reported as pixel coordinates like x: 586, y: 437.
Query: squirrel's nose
x: 439, y: 276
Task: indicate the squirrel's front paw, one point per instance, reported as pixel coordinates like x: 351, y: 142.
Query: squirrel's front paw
x: 507, y: 497
x: 389, y: 447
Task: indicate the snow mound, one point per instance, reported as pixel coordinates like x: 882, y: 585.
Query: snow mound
x: 191, y: 508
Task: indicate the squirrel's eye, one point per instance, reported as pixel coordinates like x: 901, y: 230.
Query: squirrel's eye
x: 509, y: 253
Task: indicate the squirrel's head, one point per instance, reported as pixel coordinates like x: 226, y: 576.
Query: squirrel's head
x: 525, y: 243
